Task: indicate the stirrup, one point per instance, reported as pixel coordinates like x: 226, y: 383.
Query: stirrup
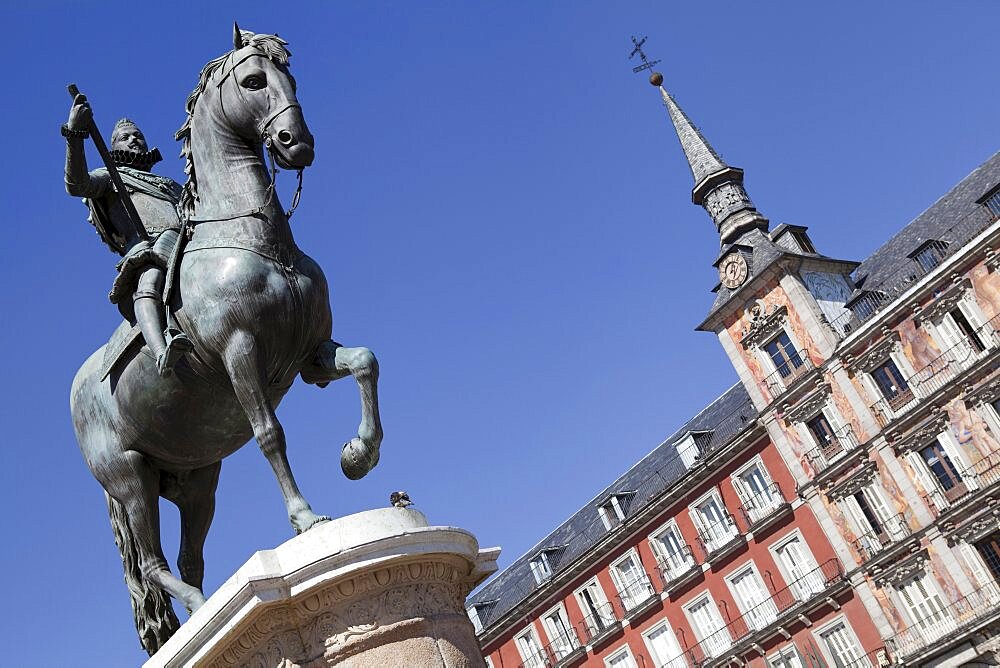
x: 178, y: 344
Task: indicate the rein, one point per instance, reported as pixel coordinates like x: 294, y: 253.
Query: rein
x: 268, y: 144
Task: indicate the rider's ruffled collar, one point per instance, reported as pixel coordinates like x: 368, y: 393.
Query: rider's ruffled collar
x: 143, y: 160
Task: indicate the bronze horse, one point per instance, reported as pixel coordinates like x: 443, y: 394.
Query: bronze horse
x: 258, y: 312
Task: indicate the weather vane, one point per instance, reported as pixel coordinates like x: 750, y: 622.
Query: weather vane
x: 655, y: 78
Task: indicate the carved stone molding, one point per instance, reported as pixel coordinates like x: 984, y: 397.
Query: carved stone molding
x: 986, y: 393
x: 809, y: 405
x: 874, y: 355
x: 377, y: 588
x: 764, y: 323
x: 907, y: 567
x: 971, y: 531
x: 337, y: 620
x: 992, y: 258
x: 858, y: 480
x: 922, y: 434
x: 944, y: 301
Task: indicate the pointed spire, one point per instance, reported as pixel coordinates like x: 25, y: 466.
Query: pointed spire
x: 701, y: 157
x: 718, y: 187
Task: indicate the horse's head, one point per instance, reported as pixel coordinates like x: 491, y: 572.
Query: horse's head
x: 257, y: 95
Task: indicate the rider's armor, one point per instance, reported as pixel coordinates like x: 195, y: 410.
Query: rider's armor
x: 138, y: 288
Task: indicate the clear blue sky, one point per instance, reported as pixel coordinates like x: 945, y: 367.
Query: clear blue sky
x: 503, y: 213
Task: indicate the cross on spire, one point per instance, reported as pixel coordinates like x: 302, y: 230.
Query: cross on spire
x: 646, y: 63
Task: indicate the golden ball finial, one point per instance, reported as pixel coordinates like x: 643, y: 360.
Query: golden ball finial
x: 656, y: 79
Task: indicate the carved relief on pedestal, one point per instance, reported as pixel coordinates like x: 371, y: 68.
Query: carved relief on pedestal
x: 348, y: 616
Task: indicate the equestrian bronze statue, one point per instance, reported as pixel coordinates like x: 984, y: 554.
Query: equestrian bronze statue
x: 222, y: 312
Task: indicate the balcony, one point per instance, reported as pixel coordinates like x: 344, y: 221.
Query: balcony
x: 600, y: 625
x: 934, y: 631
x: 562, y: 651
x: 873, y: 543
x: 637, y: 597
x: 788, y: 373
x: 764, y: 509
x: 719, y: 539
x: 982, y: 475
x: 768, y: 618
x: 933, y: 377
x: 677, y: 569
x: 839, y: 443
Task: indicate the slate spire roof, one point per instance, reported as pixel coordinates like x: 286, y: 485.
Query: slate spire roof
x: 717, y: 186
x: 701, y: 157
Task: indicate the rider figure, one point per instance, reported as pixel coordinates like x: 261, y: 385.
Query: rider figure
x: 138, y: 288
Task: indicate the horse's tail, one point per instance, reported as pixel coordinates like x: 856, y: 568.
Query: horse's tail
x: 154, y: 615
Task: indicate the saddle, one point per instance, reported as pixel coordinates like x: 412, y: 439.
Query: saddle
x: 123, y: 345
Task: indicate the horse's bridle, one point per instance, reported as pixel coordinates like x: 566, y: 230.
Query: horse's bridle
x: 262, y: 128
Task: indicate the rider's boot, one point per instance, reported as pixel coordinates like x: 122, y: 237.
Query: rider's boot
x: 167, y: 345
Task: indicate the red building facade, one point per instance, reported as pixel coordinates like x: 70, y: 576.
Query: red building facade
x: 838, y: 506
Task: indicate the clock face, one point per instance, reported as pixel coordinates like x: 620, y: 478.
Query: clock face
x: 733, y: 270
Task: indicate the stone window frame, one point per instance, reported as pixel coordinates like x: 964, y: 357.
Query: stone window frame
x: 740, y: 570
x: 616, y: 580
x: 931, y: 585
x: 782, y: 653
x: 925, y: 475
x: 533, y: 632
x: 774, y: 548
x: 618, y: 652
x: 670, y: 525
x: 694, y: 602
x: 962, y: 296
x: 558, y: 607
x: 820, y: 401
x: 583, y: 608
x: 819, y: 642
x: 890, y: 347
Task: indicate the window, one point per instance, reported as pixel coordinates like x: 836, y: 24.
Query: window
x: 752, y: 598
x: 929, y: 254
x: 489, y: 662
x: 943, y: 470
x: 708, y: 626
x: 477, y: 624
x: 597, y: 612
x: 783, y: 355
x: 803, y: 241
x: 992, y: 202
x: 989, y: 550
x: 759, y: 494
x: 892, y: 385
x: 877, y: 527
x: 799, y: 567
x: 786, y: 657
x: 561, y: 637
x: 713, y: 521
x: 923, y: 605
x: 821, y: 430
x: 690, y: 447
x: 842, y: 647
x: 962, y: 334
x: 621, y: 658
x: 663, y: 647
x: 544, y: 563
x: 631, y: 581
x: 674, y: 556
x: 530, y: 649
x: 613, y: 510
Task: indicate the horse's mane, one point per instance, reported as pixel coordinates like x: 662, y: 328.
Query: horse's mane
x: 271, y: 46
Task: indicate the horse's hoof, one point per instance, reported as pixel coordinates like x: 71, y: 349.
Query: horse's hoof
x: 358, y: 458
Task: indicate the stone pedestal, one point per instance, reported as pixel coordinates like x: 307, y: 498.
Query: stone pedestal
x: 380, y: 588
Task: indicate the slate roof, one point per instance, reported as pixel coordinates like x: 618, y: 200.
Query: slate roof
x: 956, y: 218
x: 725, y: 417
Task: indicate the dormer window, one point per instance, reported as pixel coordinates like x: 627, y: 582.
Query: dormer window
x: 929, y: 254
x: 614, y: 510
x: 476, y: 614
x: 992, y: 202
x: 692, y: 446
x: 542, y: 566
x: 803, y: 241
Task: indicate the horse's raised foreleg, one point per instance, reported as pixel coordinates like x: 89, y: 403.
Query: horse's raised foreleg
x: 194, y: 495
x: 246, y: 371
x: 332, y: 362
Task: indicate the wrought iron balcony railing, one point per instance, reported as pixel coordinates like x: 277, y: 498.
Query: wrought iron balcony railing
x: 674, y: 567
x: 939, y: 372
x: 797, y: 365
x: 971, y: 480
x: 562, y: 646
x: 600, y: 622
x: 889, y: 531
x: 635, y: 594
x: 713, y: 537
x: 838, y: 443
x: 787, y: 601
x: 760, y: 507
x: 957, y: 618
x: 870, y: 303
